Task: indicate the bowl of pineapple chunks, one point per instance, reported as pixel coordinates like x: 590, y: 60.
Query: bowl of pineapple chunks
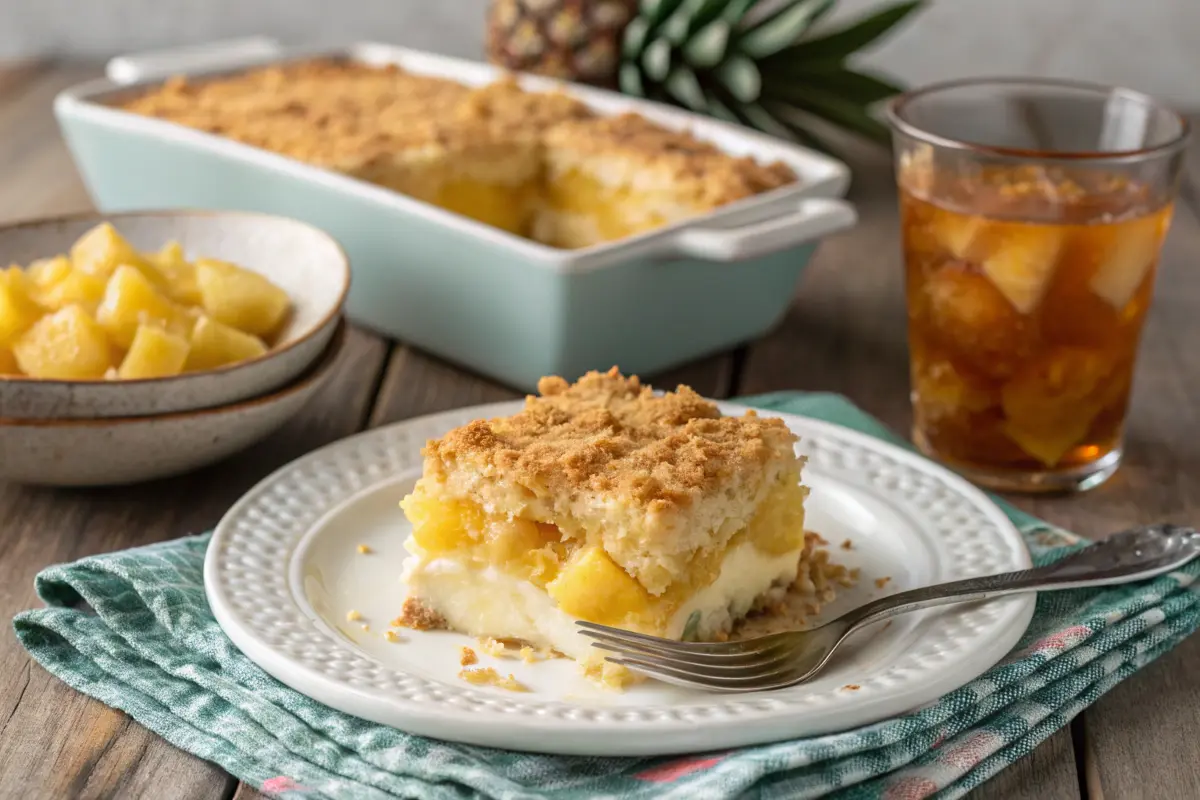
x: 148, y: 313
x: 121, y: 450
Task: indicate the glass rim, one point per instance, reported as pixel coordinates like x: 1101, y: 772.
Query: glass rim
x: 895, y: 109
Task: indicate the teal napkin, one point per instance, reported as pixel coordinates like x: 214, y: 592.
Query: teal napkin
x: 133, y: 629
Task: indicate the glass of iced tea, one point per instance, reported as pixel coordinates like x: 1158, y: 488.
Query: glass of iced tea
x: 1032, y: 214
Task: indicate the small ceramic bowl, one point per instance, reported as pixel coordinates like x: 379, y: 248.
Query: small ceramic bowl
x: 108, y: 452
x: 302, y: 260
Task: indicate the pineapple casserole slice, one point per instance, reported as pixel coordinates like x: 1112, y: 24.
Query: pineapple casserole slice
x: 603, y: 501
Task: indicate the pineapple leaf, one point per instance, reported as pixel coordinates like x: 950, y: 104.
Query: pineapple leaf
x: 833, y: 108
x: 656, y: 60
x: 655, y: 11
x: 841, y: 43
x: 683, y: 86
x: 629, y: 78
x: 797, y: 123
x: 740, y: 76
x: 637, y: 33
x: 781, y: 28
x: 682, y: 22
x: 706, y: 49
x: 737, y: 10
x: 858, y: 86
x: 718, y: 108
x: 764, y: 120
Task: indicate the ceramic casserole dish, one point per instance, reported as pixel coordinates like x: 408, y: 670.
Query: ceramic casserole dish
x: 508, y: 307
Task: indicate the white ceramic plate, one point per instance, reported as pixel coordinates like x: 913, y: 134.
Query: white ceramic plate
x: 283, y: 571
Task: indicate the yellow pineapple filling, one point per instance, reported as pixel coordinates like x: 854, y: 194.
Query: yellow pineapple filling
x: 610, y: 211
x: 576, y: 572
x: 500, y: 205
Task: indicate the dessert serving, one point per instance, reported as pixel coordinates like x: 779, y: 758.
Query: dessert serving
x: 604, y: 501
x: 106, y: 310
x: 538, y: 164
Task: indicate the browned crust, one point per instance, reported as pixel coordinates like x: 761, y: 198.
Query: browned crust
x: 697, y: 171
x: 610, y: 434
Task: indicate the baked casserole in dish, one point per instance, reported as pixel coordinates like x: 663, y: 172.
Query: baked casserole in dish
x: 518, y: 226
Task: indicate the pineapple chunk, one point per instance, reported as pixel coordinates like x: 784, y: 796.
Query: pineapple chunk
x: 1133, y: 251
x: 48, y: 271
x: 241, y: 298
x: 958, y: 233
x: 155, y: 353
x: 439, y: 527
x: 18, y: 312
x: 591, y: 586
x: 8, y: 362
x: 74, y: 288
x: 1023, y: 262
x: 180, y: 276
x: 215, y: 345
x: 65, y: 345
x: 101, y: 250
x: 130, y: 300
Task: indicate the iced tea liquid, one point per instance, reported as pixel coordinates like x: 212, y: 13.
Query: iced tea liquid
x: 1027, y: 290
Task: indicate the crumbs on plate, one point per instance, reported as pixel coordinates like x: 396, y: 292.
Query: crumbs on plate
x: 882, y: 582
x: 847, y: 545
x: 467, y: 657
x: 852, y: 687
x: 364, y: 549
x: 487, y: 676
x: 391, y: 636
x: 353, y: 616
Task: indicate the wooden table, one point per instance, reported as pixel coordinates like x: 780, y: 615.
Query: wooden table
x: 845, y: 333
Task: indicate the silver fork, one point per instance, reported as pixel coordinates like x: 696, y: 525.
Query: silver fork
x: 792, y: 657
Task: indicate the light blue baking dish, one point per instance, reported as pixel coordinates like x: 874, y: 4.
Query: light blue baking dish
x: 505, y: 306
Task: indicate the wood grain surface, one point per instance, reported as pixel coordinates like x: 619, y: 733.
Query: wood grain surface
x: 844, y: 333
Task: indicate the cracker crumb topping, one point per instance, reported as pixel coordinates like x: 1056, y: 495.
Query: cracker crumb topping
x: 610, y: 434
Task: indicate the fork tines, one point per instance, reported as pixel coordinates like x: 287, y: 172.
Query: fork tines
x: 764, y: 663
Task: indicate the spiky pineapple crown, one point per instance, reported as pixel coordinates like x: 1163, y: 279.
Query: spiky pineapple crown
x: 756, y: 63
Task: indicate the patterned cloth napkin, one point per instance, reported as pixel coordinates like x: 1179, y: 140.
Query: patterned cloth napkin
x: 133, y: 629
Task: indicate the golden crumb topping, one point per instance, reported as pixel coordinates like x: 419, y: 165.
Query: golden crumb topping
x: 697, y: 168
x: 467, y: 657
x: 610, y: 434
x: 352, y: 117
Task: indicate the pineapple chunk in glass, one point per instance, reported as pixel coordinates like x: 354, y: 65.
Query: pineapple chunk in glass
x: 1128, y: 259
x: 130, y: 300
x: 214, y: 344
x: 1020, y: 261
x: 1050, y: 404
x: 240, y: 298
x: 65, y: 345
x: 154, y: 353
x: 18, y: 311
x: 974, y: 322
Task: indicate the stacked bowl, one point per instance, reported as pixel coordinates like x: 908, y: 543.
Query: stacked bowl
x: 124, y: 430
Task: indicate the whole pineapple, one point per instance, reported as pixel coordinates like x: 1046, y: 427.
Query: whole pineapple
x: 754, y: 62
x: 577, y: 40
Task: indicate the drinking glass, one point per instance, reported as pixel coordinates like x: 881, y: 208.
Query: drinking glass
x: 1032, y: 214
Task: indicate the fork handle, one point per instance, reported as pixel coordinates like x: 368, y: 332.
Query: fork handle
x: 1098, y: 565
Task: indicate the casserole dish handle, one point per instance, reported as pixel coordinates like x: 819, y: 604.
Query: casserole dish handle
x: 161, y: 64
x: 794, y: 225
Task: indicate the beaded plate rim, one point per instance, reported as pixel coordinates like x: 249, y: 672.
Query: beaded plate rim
x: 247, y: 583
